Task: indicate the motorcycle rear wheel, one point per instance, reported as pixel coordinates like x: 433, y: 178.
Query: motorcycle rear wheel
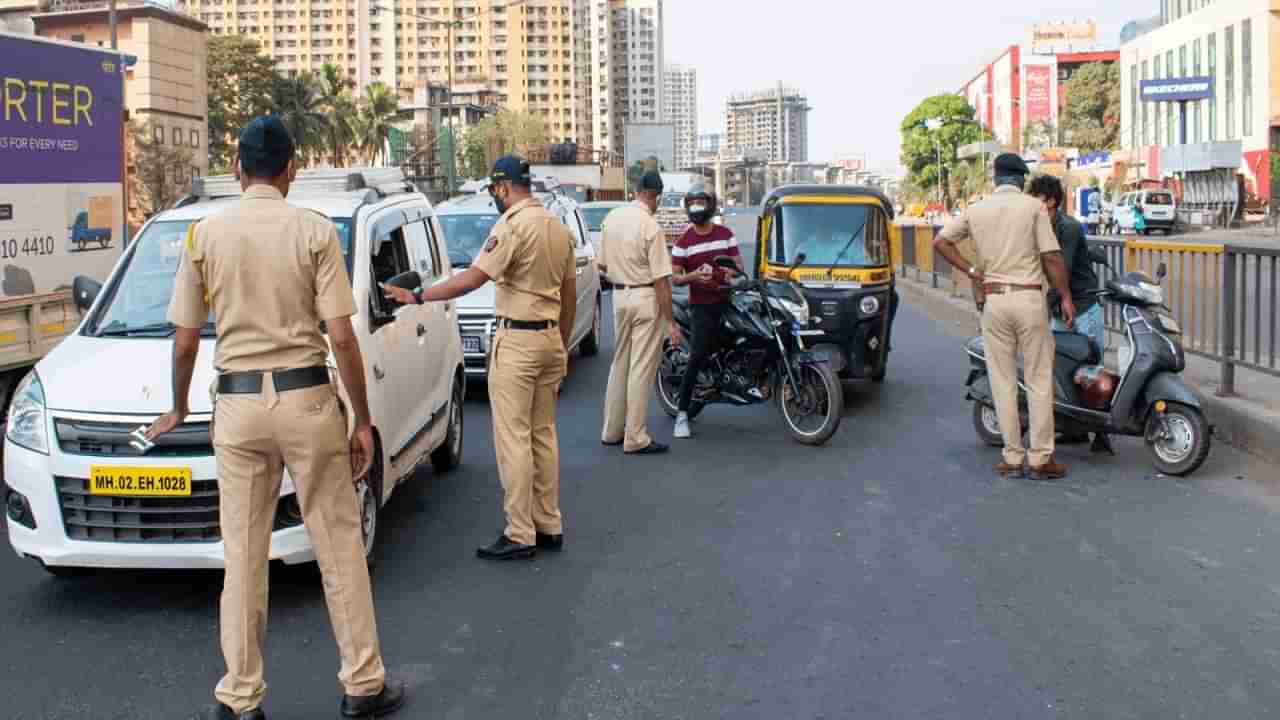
x: 819, y: 398
x: 667, y: 383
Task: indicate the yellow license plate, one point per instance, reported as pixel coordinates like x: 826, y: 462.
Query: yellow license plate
x: 139, y: 481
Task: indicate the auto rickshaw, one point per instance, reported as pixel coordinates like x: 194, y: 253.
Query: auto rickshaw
x: 846, y: 274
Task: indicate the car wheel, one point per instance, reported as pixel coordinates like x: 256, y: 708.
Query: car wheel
x: 590, y: 345
x: 449, y: 455
x: 369, y: 495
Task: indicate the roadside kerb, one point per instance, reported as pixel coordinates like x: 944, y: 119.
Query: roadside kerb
x: 1248, y: 424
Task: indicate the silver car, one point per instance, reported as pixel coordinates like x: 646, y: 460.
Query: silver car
x: 465, y: 223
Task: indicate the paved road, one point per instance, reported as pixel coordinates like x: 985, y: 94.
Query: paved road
x: 887, y: 575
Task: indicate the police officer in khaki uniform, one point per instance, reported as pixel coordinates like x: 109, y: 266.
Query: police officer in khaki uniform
x: 270, y: 273
x: 634, y: 254
x: 529, y: 255
x: 1016, y: 249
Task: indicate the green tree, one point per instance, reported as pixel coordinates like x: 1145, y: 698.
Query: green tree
x: 1039, y: 135
x: 371, y: 126
x: 1091, y: 116
x: 299, y: 102
x: 162, y: 172
x: 241, y: 80
x: 338, y: 106
x: 507, y: 132
x: 921, y: 147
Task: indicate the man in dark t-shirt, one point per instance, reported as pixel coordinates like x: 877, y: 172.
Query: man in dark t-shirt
x: 693, y: 259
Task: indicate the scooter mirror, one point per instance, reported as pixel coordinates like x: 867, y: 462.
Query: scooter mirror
x: 1098, y: 256
x: 725, y: 261
x: 1161, y: 272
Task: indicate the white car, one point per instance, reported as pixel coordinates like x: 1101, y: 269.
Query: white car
x: 466, y: 222
x: 74, y: 415
x: 594, y: 213
x: 1157, y: 206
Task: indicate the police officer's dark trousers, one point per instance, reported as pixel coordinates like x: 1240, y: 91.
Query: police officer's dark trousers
x: 705, y: 320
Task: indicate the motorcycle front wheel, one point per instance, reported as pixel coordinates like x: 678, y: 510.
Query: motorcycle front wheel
x: 812, y: 411
x: 670, y: 374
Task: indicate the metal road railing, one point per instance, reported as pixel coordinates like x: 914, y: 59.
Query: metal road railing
x: 1223, y: 296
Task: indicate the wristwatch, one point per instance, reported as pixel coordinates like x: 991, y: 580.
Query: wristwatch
x: 417, y: 295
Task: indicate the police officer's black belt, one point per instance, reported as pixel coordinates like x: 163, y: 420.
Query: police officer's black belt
x: 527, y: 324
x: 250, y: 383
x: 633, y: 287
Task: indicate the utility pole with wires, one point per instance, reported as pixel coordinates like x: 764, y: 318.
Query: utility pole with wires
x: 455, y: 22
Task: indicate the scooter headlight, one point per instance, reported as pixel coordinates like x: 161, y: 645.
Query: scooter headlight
x: 27, y: 416
x: 869, y: 305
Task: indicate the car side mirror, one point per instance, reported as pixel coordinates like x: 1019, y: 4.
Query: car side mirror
x: 84, y: 291
x: 1161, y: 272
x: 409, y: 280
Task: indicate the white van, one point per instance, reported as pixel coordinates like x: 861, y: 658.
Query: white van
x: 74, y: 415
x: 1157, y: 206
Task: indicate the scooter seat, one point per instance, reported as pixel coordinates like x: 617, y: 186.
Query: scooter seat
x: 1078, y: 348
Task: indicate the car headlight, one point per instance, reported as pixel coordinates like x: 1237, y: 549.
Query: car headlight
x: 869, y: 305
x: 27, y: 424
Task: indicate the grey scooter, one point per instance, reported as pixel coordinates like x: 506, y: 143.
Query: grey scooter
x: 1147, y: 399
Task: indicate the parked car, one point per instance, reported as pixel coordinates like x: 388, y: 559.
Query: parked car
x: 593, y: 214
x: 1157, y: 207
x: 466, y: 222
x: 73, y: 419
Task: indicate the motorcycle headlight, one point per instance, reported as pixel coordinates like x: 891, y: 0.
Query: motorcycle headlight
x: 799, y: 311
x: 869, y: 305
x: 27, y: 425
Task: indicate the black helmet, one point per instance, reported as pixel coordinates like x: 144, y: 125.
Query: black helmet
x: 700, y: 204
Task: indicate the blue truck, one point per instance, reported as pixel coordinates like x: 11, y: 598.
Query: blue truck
x: 82, y: 235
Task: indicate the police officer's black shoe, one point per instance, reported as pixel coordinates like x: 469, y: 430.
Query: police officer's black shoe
x: 374, y: 706
x: 653, y: 448
x: 504, y: 548
x: 554, y: 543
x: 222, y: 712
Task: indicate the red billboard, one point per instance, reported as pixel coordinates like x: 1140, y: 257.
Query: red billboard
x: 1039, y: 93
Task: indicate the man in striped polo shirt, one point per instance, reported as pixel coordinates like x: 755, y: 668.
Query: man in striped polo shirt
x: 693, y: 260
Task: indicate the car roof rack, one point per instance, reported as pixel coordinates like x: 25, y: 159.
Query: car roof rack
x: 384, y: 181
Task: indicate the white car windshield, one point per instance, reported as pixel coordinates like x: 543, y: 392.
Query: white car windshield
x: 138, y: 300
x: 466, y: 235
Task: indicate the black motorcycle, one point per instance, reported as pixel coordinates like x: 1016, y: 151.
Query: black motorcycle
x: 759, y: 357
x: 1146, y: 399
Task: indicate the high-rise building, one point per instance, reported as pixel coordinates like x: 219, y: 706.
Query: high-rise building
x: 165, y: 90
x: 527, y: 53
x: 680, y: 102
x: 771, y: 123
x: 626, y: 46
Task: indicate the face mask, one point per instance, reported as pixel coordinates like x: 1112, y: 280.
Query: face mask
x: 699, y: 213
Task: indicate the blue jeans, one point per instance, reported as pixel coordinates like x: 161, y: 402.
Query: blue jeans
x: 1089, y: 323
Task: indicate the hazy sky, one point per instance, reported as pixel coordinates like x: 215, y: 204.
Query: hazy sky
x: 864, y: 63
